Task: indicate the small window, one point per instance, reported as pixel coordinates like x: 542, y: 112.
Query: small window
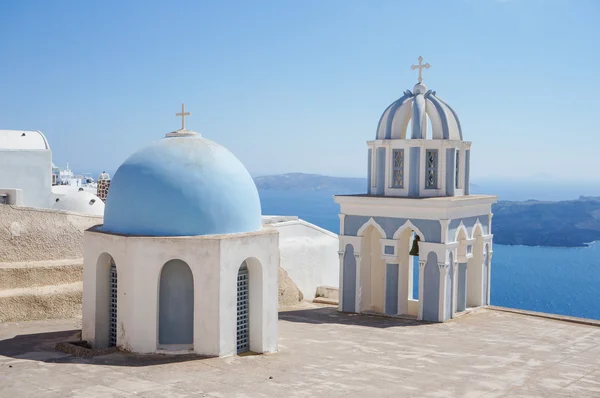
x: 3, y: 199
x: 398, y: 169
x: 431, y: 166
x: 457, y: 176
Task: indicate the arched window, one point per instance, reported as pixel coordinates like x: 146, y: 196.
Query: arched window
x: 176, y: 306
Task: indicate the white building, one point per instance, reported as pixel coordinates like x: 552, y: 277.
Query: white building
x: 182, y: 262
x: 28, y: 177
x: 25, y: 168
x: 418, y: 189
x: 80, y: 201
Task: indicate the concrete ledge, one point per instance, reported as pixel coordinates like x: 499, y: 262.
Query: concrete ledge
x: 563, y: 318
x: 82, y: 349
x: 322, y: 300
x: 327, y: 295
x: 48, y: 302
x: 40, y: 273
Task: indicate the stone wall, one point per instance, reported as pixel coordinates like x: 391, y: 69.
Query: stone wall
x: 28, y: 234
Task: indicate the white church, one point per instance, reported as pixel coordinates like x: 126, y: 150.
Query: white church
x: 418, y: 209
x: 182, y: 262
x: 27, y: 177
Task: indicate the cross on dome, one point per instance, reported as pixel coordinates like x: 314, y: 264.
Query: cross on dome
x: 183, y: 114
x: 420, y: 67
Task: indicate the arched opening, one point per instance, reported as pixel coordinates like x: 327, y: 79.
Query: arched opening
x: 249, y: 314
x: 462, y: 276
x: 408, y: 303
x: 475, y: 270
x: 431, y: 288
x: 349, y: 280
x: 106, y: 302
x: 176, y: 306
x: 372, y: 297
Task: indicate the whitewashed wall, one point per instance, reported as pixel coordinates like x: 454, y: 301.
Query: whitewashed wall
x: 214, y: 261
x: 29, y: 170
x: 308, y: 253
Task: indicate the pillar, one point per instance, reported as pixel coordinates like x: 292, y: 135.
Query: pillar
x: 392, y: 281
x: 461, y: 293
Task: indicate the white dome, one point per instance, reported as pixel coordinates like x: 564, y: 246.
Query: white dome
x: 417, y: 106
x: 104, y: 176
x: 80, y: 202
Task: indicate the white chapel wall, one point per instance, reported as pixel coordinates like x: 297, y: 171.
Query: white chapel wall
x: 29, y: 170
x: 308, y: 253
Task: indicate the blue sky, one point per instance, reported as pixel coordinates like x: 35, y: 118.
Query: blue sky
x: 300, y: 85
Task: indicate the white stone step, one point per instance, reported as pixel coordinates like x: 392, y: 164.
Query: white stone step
x: 46, y: 302
x: 40, y: 273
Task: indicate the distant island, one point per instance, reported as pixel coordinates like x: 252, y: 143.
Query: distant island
x: 570, y: 223
x: 311, y: 182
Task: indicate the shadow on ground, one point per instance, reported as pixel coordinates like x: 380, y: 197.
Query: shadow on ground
x: 324, y: 315
x: 41, y: 347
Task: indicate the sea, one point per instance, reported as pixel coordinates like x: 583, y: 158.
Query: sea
x: 564, y: 281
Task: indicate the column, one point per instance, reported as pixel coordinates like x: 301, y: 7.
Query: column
x: 421, y: 269
x: 358, y: 286
x: 391, y: 288
x: 461, y: 294
x: 341, y: 281
x: 444, y: 291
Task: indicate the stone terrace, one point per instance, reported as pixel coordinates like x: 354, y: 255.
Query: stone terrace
x: 323, y: 353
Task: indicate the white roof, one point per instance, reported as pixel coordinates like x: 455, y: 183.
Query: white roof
x: 22, y: 139
x: 80, y: 202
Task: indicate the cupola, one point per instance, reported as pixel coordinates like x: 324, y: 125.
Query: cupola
x: 419, y: 150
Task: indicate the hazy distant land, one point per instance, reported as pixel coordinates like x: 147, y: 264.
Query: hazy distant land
x: 569, y: 223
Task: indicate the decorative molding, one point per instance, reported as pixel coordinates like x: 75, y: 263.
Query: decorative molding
x: 476, y: 227
x: 422, y: 265
x: 355, y: 241
x: 461, y: 227
x: 373, y: 223
x: 444, y: 267
x: 409, y: 225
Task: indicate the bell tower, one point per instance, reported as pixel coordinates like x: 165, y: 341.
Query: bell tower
x: 103, y: 184
x: 417, y: 220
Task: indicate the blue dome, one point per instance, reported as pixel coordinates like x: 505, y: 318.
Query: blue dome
x: 182, y: 185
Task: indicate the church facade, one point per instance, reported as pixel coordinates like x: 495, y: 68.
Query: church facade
x: 417, y: 223
x: 182, y: 262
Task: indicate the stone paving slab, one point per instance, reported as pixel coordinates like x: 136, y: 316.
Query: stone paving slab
x: 325, y: 353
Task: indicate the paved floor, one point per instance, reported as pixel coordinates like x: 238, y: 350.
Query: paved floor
x: 327, y: 354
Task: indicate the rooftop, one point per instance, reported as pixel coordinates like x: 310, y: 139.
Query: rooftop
x: 22, y: 139
x: 486, y: 353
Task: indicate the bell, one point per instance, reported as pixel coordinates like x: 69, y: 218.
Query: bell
x: 415, y: 247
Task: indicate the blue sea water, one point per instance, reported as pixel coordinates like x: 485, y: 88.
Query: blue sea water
x: 562, y: 281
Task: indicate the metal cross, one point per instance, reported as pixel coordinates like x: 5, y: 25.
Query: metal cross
x: 420, y: 67
x: 183, y: 114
